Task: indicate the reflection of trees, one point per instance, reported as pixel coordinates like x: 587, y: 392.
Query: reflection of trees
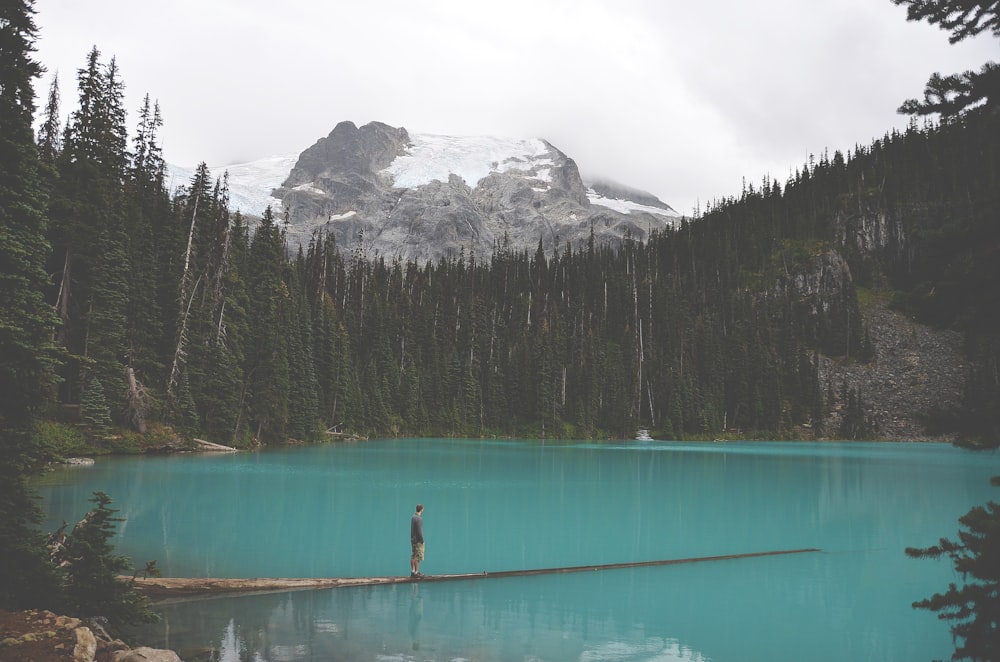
x: 560, y: 618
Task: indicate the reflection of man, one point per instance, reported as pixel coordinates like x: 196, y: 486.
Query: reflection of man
x: 416, y: 542
x: 416, y: 613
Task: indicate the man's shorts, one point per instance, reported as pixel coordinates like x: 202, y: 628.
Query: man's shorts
x: 417, y: 551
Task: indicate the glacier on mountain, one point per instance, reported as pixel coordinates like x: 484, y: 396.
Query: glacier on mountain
x: 423, y: 197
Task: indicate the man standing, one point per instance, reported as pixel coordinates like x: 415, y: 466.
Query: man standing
x: 416, y: 542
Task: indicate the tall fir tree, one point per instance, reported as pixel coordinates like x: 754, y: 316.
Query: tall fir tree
x: 90, y: 243
x: 49, y: 138
x: 955, y: 95
x: 974, y: 607
x: 28, y: 357
x: 267, y: 372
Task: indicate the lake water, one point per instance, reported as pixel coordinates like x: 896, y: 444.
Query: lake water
x: 344, y: 510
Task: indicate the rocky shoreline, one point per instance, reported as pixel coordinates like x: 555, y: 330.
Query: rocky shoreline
x: 41, y: 636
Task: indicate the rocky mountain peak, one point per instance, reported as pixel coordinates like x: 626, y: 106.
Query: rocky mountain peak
x: 390, y: 193
x: 349, y: 150
x: 424, y: 197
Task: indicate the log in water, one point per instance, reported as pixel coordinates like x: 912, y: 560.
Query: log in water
x: 165, y: 587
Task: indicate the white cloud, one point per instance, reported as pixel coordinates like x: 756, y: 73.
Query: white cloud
x: 684, y: 100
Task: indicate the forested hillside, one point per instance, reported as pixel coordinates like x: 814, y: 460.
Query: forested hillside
x: 175, y: 315
x: 172, y: 311
x: 132, y: 317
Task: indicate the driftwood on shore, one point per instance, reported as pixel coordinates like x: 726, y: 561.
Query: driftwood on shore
x: 172, y: 587
x: 211, y: 446
x: 344, y: 436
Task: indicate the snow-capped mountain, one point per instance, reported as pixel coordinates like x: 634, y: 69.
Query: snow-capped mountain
x: 423, y: 197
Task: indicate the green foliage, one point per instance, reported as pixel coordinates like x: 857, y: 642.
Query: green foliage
x: 974, y: 607
x: 957, y: 95
x: 27, y: 578
x: 854, y: 422
x: 94, y: 409
x: 980, y: 422
x: 28, y: 357
x: 92, y: 568
x: 699, y: 332
x: 703, y: 330
x: 61, y: 440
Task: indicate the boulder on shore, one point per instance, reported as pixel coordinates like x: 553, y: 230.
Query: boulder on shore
x: 41, y: 636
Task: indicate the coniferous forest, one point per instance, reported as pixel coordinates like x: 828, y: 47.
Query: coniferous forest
x: 173, y: 311
x: 132, y: 314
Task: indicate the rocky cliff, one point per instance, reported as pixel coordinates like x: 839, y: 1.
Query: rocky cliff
x: 916, y: 375
x: 379, y: 190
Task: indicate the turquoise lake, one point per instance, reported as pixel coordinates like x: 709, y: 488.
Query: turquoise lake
x: 344, y: 510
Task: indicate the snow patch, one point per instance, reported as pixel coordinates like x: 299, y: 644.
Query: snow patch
x: 431, y: 158
x: 627, y: 206
x: 309, y: 188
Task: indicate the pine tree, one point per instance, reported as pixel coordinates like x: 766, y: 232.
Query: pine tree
x: 956, y: 95
x: 89, y: 233
x: 94, y: 410
x: 303, y: 395
x: 267, y: 370
x: 49, y: 138
x: 974, y: 608
x: 93, y: 568
x: 28, y: 358
x: 148, y: 218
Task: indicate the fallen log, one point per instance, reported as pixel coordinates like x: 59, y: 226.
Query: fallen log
x: 171, y: 587
x: 212, y: 446
x: 156, y: 587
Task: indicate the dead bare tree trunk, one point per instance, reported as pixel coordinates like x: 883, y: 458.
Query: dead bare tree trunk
x: 182, y: 331
x: 179, y: 352
x: 62, y: 300
x: 218, y: 280
x: 138, y: 402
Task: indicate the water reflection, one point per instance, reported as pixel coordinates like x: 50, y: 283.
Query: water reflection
x: 416, y: 614
x: 582, y: 618
x: 344, y: 511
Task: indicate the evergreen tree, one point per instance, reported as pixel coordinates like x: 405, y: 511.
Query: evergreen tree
x: 303, y: 395
x: 28, y: 357
x: 90, y: 236
x: 956, y: 95
x: 93, y: 568
x: 267, y: 371
x: 974, y: 608
x: 94, y: 410
x: 49, y: 138
x: 148, y: 218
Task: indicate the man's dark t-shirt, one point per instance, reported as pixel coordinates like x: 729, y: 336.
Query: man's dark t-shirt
x: 416, y: 529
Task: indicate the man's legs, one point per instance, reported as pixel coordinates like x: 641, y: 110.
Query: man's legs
x: 416, y: 556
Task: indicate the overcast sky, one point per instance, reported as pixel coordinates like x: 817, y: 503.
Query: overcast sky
x: 682, y: 99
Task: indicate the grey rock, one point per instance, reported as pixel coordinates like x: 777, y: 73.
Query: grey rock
x: 145, y: 654
x: 917, y: 369
x: 344, y: 186
x: 86, y: 645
